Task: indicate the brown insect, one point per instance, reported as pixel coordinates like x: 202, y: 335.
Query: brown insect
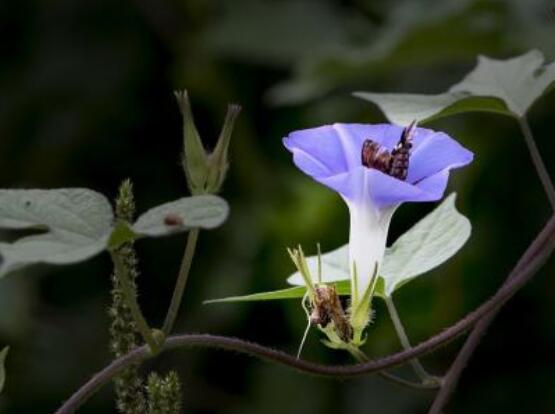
x: 394, y: 163
x: 173, y: 220
x: 327, y: 308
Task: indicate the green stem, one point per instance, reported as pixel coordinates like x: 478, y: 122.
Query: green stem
x: 131, y: 297
x: 181, y: 282
x: 537, y: 159
x: 404, y: 339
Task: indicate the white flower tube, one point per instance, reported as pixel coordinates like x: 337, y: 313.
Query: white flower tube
x: 367, y: 241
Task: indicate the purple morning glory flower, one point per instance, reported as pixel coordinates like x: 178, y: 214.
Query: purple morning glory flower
x: 374, y: 172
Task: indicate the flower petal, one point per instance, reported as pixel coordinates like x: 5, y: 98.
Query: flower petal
x: 332, y: 156
x: 317, y: 151
x: 334, y: 149
x: 434, y: 152
x: 364, y: 185
x: 310, y: 165
x: 435, y: 185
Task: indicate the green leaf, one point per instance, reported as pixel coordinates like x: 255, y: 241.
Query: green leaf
x: 508, y: 87
x: 3, y: 355
x: 72, y: 225
x: 288, y: 293
x: 297, y: 292
x: 203, y: 211
x: 428, y: 244
x: 402, y: 109
x: 518, y: 81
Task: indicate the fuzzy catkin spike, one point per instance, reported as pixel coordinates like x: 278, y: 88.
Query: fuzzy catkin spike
x: 130, y: 398
x: 164, y: 394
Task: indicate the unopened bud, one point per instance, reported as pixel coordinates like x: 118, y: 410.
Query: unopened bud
x: 205, y: 172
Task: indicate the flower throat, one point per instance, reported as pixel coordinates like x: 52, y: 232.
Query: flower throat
x: 394, y: 163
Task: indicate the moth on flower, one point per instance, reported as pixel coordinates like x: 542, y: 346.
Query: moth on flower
x: 375, y: 168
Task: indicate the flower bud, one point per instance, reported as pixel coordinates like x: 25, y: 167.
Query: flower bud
x: 205, y: 172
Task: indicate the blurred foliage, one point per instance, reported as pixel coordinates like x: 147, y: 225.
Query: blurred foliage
x: 87, y: 100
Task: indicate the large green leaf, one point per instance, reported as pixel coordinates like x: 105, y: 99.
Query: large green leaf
x: 204, y: 211
x: 3, y: 355
x: 518, y: 81
x: 428, y: 244
x: 73, y: 225
x: 402, y: 109
x: 508, y: 87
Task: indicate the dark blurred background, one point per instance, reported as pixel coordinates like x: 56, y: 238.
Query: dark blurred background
x: 86, y: 100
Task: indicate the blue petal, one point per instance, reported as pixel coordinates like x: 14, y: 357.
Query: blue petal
x: 434, y: 152
x: 332, y: 155
x: 366, y: 185
x: 317, y: 151
x: 335, y: 149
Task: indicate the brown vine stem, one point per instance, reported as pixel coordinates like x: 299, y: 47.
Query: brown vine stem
x: 360, y: 356
x: 452, y: 376
x: 534, y: 257
x: 537, y: 159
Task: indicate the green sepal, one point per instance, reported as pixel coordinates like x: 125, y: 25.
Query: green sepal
x: 195, y: 158
x: 218, y: 160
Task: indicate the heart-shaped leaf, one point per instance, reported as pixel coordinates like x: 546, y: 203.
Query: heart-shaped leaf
x: 402, y: 109
x: 428, y: 244
x: 203, y: 211
x: 73, y: 225
x: 3, y: 355
x: 508, y: 87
